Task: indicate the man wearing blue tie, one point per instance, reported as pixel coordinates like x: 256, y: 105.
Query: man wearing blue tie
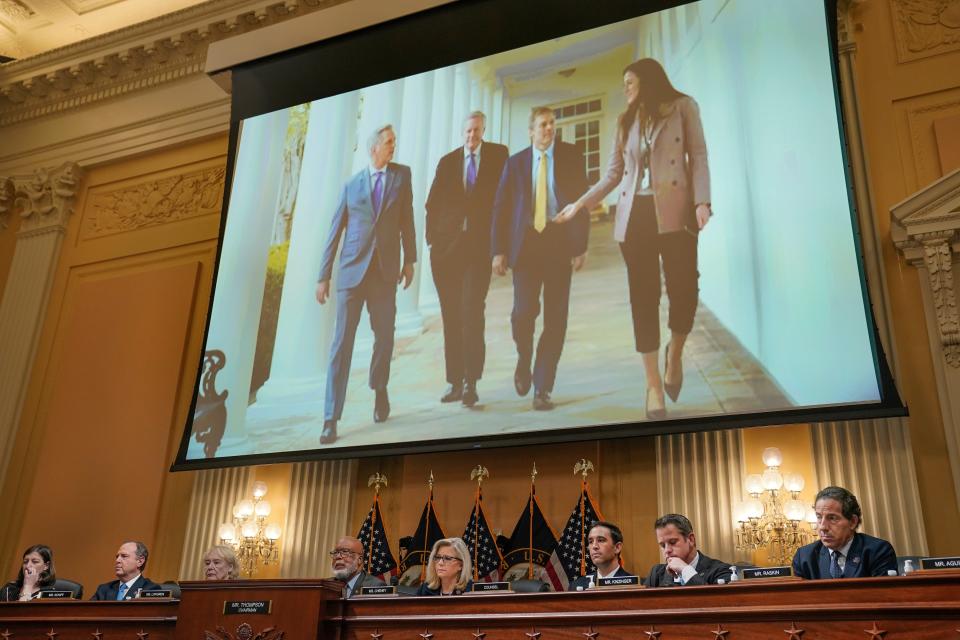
x: 375, y: 215
x: 128, y: 566
x: 537, y: 183
x: 842, y: 552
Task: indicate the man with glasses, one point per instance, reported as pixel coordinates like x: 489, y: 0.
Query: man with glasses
x: 347, y: 563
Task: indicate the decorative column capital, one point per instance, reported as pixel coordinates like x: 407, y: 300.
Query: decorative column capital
x: 926, y: 230
x: 44, y: 200
x: 845, y: 24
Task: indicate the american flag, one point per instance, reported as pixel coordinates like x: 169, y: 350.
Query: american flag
x: 570, y: 558
x: 488, y: 564
x: 380, y: 561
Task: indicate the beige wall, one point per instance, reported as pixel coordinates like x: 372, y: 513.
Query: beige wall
x: 111, y: 383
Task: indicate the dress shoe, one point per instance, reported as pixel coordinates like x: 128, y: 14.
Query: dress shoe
x: 453, y: 394
x: 329, y: 433
x: 522, y: 379
x: 655, y: 414
x: 470, y: 396
x: 381, y: 406
x: 542, y: 401
x: 672, y: 389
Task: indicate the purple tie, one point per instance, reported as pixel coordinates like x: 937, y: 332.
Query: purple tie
x: 378, y: 192
x: 471, y: 172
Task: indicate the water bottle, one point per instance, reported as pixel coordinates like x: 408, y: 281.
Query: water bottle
x: 907, y: 567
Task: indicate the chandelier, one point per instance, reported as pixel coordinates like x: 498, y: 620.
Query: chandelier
x: 253, y: 540
x: 769, y: 519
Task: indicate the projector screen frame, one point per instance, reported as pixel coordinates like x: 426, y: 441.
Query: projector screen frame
x: 277, y: 81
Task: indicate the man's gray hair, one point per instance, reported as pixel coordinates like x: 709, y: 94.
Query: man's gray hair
x: 374, y: 138
x: 480, y: 115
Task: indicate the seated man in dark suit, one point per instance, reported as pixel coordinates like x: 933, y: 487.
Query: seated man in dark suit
x: 841, y: 552
x: 684, y: 564
x: 129, y: 565
x: 604, y: 542
x: 347, y: 563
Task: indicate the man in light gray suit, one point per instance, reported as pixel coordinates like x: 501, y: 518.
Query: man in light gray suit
x: 376, y: 215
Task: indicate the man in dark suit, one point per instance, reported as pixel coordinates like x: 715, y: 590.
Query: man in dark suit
x: 130, y: 562
x: 537, y: 183
x: 459, y: 209
x: 604, y: 542
x: 375, y: 214
x: 841, y: 552
x: 684, y: 564
x: 347, y: 562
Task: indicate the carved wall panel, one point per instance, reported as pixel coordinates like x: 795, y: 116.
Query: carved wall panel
x: 145, y: 203
x: 919, y: 147
x: 924, y: 28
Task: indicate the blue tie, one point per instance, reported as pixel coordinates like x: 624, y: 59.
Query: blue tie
x: 471, y: 172
x: 835, y: 570
x: 122, y: 591
x: 378, y: 192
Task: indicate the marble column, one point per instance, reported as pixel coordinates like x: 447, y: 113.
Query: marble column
x: 44, y: 201
x: 235, y: 316
x: 305, y: 328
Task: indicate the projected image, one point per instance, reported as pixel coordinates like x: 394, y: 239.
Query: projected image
x: 642, y: 222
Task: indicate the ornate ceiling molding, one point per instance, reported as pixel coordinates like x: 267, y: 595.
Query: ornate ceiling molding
x: 145, y: 55
x: 926, y: 229
x: 43, y: 200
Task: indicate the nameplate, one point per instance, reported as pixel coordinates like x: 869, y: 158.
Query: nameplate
x: 379, y: 590
x: 767, y: 572
x: 153, y: 594
x: 618, y: 581
x: 491, y: 587
x: 56, y: 594
x: 254, y: 607
x: 940, y: 563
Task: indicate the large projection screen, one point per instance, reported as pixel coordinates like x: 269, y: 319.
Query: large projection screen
x: 781, y: 327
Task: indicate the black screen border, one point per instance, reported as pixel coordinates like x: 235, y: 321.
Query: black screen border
x: 278, y: 81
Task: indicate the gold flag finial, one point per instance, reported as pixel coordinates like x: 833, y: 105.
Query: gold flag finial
x: 377, y: 479
x: 479, y: 474
x: 533, y: 474
x: 583, y: 467
x: 430, y: 481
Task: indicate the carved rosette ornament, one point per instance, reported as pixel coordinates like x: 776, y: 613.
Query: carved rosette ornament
x: 43, y: 200
x: 926, y: 229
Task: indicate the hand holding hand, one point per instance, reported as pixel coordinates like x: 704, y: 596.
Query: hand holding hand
x: 568, y: 212
x: 703, y: 215
x: 500, y: 265
x: 406, y: 275
x: 323, y: 291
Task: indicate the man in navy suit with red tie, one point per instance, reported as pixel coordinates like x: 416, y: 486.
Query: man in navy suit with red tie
x: 536, y: 185
x: 375, y: 216
x: 842, y: 552
x: 459, y: 208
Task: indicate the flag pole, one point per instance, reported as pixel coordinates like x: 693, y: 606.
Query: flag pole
x: 477, y: 474
x: 583, y: 467
x: 426, y: 532
x: 533, y: 492
x: 376, y: 479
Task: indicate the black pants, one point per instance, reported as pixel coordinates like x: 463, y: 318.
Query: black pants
x: 543, y: 267
x: 462, y: 281
x: 643, y: 248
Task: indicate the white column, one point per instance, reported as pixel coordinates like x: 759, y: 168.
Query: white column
x: 305, y: 328
x: 47, y: 198
x: 415, y: 127
x: 460, y: 105
x: 235, y: 317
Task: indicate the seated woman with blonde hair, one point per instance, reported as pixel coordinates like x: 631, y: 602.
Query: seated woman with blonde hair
x: 220, y: 563
x: 449, y: 569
